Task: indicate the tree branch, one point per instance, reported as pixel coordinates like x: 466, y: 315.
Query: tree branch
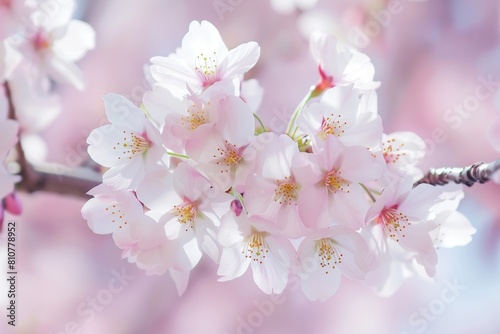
x: 50, y: 177
x: 479, y: 172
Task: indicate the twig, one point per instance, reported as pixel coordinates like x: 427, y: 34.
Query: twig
x: 50, y: 177
x: 479, y: 172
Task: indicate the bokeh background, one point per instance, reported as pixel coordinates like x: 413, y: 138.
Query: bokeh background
x: 429, y: 56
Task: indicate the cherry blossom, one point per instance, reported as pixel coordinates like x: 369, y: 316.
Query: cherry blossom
x: 288, y: 6
x: 453, y: 228
x: 130, y: 145
x: 195, y: 170
x: 402, y: 218
x: 252, y: 241
x: 202, y: 61
x: 144, y: 243
x: 402, y: 151
x: 345, y: 113
x: 220, y: 150
x: 325, y: 255
x: 187, y: 205
x: 340, y: 64
x: 331, y: 188
x: 56, y: 44
x: 110, y: 210
x: 273, y: 191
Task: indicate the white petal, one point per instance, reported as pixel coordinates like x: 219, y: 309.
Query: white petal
x: 79, y: 37
x: 64, y: 71
x: 233, y: 263
x: 240, y: 60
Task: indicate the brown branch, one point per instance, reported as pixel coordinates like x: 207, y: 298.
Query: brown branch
x: 50, y: 177
x: 479, y: 172
x: 67, y: 181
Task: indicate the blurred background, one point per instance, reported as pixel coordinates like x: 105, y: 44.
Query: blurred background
x: 430, y: 57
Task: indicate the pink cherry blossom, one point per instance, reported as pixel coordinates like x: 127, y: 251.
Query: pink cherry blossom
x: 220, y: 150
x: 144, y: 243
x: 402, y: 152
x: 188, y: 206
x: 453, y: 228
x: 273, y: 190
x: 252, y: 241
x: 325, y: 255
x: 131, y: 145
x: 402, y: 218
x: 345, y: 113
x: 110, y: 210
x: 331, y: 190
x: 56, y: 44
x: 202, y: 61
x: 340, y: 64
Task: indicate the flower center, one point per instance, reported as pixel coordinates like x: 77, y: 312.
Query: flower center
x: 334, y: 182
x: 332, y: 125
x: 196, y: 117
x: 286, y: 192
x: 132, y: 144
x: 256, y: 248
x: 393, y: 222
x: 186, y: 214
x: 117, y: 216
x: 329, y: 255
x: 228, y: 155
x: 391, y: 151
x: 41, y: 41
x: 206, y: 66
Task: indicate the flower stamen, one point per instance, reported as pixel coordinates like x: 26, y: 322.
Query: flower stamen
x: 328, y: 254
x: 286, y: 192
x: 393, y: 222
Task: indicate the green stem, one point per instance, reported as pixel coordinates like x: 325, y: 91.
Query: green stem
x: 260, y: 122
x: 368, y: 192
x: 297, y: 111
x: 182, y: 156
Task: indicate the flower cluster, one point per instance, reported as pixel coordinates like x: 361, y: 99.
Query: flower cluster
x: 39, y: 43
x: 195, y: 171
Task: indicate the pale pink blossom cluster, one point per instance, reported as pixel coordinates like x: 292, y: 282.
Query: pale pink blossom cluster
x: 193, y: 170
x: 40, y: 42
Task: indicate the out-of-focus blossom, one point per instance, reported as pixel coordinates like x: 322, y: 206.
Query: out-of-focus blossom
x: 8, y: 138
x: 288, y: 6
x: 494, y: 139
x: 54, y: 43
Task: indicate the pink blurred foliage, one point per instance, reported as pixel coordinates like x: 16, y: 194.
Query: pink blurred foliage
x: 427, y: 59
